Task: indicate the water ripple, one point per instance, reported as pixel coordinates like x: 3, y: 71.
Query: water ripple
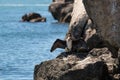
x: 23, y: 5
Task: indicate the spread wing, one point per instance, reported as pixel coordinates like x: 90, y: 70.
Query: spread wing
x: 58, y: 44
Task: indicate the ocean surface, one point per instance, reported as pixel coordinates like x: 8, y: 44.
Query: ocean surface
x: 24, y: 44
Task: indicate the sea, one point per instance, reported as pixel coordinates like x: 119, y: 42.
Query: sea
x: 22, y: 44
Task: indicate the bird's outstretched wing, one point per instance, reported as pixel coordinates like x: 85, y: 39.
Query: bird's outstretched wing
x: 58, y: 44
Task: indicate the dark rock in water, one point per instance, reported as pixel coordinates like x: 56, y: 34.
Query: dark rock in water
x: 33, y: 17
x: 61, y: 10
x: 97, y: 65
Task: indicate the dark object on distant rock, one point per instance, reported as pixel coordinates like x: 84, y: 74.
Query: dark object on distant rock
x: 98, y: 65
x: 33, y: 17
x: 61, y: 10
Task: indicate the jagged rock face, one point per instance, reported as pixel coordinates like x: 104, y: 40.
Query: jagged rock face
x: 78, y: 21
x: 61, y: 10
x: 82, y: 27
x: 98, y: 64
x: 105, y: 14
x: 95, y: 65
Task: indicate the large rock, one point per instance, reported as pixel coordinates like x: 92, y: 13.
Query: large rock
x: 98, y: 65
x: 97, y: 29
x: 105, y: 16
x: 78, y: 21
x: 33, y: 17
x: 82, y: 27
x: 61, y: 10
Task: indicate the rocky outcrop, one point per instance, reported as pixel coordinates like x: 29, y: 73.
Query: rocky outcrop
x: 33, y: 17
x: 106, y: 18
x: 78, y: 21
x: 61, y: 10
x: 91, y: 26
x: 81, y: 27
x: 95, y: 65
x: 98, y: 26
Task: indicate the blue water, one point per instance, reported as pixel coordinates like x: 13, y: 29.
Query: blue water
x: 23, y: 44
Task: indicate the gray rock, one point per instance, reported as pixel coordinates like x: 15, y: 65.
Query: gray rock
x: 93, y: 29
x: 78, y: 21
x: 97, y: 65
x: 61, y: 10
x: 82, y: 27
x: 99, y: 29
x: 105, y: 16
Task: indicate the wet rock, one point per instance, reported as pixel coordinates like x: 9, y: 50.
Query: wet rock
x: 33, y: 17
x: 61, y: 10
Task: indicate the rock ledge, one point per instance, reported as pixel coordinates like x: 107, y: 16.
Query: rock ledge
x: 95, y: 65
